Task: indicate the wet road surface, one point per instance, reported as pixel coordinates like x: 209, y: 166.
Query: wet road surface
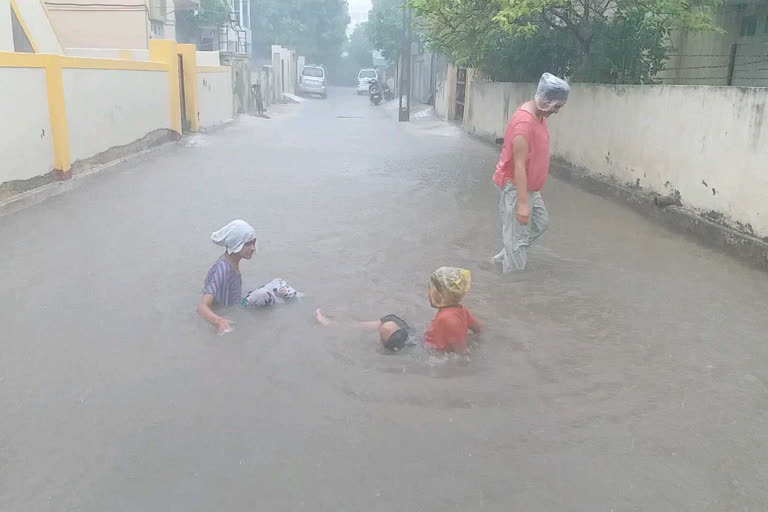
x: 626, y: 370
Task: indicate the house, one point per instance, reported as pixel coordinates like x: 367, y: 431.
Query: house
x: 25, y: 28
x: 115, y: 23
x: 121, y: 24
x: 738, y: 56
x: 231, y: 34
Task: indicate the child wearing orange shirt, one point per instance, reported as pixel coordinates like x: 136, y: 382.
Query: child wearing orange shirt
x: 448, y: 330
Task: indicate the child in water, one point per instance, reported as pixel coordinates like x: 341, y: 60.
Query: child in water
x: 224, y: 283
x: 448, y: 330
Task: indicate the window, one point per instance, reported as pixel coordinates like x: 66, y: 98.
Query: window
x: 157, y: 29
x: 748, y: 25
x: 235, y: 14
x: 367, y: 73
x: 315, y: 72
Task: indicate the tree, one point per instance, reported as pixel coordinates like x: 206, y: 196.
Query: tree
x: 357, y: 55
x: 624, y: 51
x: 212, y: 13
x: 314, y: 28
x: 359, y: 48
x: 385, y: 27
x: 463, y: 30
x: 524, y: 59
x: 582, y: 18
x: 589, y: 40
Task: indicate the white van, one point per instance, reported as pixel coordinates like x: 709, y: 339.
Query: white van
x: 312, y: 81
x: 364, y: 78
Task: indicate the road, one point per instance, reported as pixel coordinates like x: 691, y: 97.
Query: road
x: 625, y: 370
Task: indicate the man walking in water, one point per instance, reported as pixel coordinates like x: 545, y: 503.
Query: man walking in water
x: 522, y: 171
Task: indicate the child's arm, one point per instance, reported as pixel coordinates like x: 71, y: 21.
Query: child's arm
x: 323, y: 320
x: 473, y: 325
x: 222, y: 324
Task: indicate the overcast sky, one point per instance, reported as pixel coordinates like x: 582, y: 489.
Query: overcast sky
x: 358, y: 11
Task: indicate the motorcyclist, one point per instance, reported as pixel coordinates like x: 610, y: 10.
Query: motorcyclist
x: 374, y: 91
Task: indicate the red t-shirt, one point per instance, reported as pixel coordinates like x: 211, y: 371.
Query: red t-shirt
x: 448, y: 330
x: 535, y: 132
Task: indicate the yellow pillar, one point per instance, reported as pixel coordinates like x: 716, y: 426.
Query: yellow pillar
x: 58, y: 114
x: 163, y: 50
x: 188, y: 54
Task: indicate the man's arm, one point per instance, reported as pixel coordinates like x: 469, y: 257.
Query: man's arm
x: 520, y: 157
x: 204, y: 309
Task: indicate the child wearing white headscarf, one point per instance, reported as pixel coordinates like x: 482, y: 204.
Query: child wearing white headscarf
x: 234, y: 236
x: 224, y: 283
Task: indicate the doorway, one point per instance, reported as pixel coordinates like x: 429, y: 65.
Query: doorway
x: 461, y: 92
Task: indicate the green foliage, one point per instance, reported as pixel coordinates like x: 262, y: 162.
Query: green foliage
x: 385, y: 27
x: 359, y: 48
x: 212, y: 13
x: 314, y: 28
x: 614, y: 41
x: 580, y: 17
x: 628, y: 50
x: 515, y: 59
x: 357, y: 55
x: 464, y: 30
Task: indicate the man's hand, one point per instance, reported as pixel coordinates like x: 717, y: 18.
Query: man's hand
x: 523, y: 212
x: 223, y: 326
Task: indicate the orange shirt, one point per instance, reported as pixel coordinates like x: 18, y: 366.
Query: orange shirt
x: 448, y: 330
x: 535, y: 132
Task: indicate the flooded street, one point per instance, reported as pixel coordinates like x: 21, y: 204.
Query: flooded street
x: 625, y: 370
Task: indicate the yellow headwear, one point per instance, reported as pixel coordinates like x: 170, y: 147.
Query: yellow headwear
x: 448, y: 285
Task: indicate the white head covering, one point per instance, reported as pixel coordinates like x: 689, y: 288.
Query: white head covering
x: 551, y: 90
x: 234, y: 236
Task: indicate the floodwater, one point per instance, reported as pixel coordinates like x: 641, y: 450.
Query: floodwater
x: 625, y: 370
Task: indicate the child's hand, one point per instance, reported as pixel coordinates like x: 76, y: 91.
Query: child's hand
x: 223, y: 326
x: 322, y: 319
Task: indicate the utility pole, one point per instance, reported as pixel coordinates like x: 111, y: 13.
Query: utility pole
x: 405, y: 66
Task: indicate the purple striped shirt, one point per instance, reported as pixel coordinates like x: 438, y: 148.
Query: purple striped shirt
x: 224, y: 283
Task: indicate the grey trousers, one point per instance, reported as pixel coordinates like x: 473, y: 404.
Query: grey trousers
x: 519, y: 237
x: 276, y: 291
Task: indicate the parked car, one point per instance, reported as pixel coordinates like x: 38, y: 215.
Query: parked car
x: 364, y: 78
x: 312, y: 80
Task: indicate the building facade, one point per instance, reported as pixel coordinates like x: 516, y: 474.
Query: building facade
x: 230, y: 37
x: 738, y: 56
x: 115, y: 23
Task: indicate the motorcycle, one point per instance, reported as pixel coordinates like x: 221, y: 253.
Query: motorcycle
x: 374, y: 92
